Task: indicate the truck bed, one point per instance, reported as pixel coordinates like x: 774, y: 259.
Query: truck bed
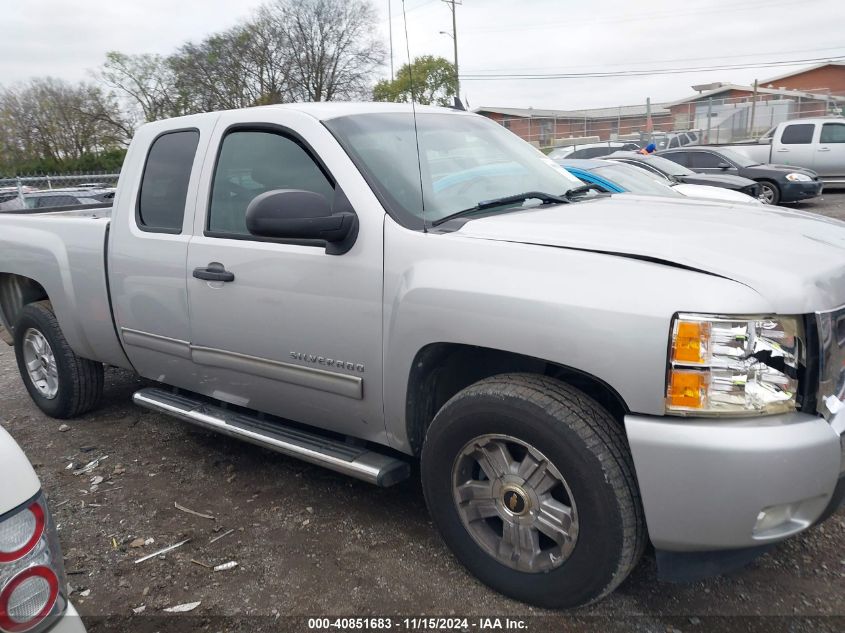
x: 64, y: 253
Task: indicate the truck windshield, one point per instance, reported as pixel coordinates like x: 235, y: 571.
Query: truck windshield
x: 464, y: 160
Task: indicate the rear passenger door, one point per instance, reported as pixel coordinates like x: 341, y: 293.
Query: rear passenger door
x: 796, y: 146
x: 295, y: 332
x: 148, y: 246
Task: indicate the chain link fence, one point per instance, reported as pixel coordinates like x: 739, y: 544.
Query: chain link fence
x: 41, y: 191
x: 705, y: 120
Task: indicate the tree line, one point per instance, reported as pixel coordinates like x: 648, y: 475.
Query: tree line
x: 287, y: 50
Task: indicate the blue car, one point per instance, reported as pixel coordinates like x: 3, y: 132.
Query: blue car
x: 613, y: 177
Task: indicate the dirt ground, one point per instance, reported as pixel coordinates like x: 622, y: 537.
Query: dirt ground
x: 312, y: 543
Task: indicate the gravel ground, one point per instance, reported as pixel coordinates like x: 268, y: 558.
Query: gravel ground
x: 312, y: 543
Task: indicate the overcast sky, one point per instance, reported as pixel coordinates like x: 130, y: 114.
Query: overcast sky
x: 69, y: 39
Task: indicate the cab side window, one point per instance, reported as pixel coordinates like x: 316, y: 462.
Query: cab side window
x: 252, y: 163
x: 833, y: 133
x: 164, y: 185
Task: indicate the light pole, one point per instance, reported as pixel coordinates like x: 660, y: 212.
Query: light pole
x: 390, y: 31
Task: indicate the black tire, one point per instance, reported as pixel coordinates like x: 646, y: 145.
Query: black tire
x: 590, y: 451
x: 80, y: 381
x: 769, y: 192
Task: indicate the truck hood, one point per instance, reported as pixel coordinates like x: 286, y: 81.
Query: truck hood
x: 20, y: 483
x: 795, y: 260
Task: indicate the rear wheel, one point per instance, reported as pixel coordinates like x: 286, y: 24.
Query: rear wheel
x: 62, y: 384
x: 531, y: 485
x: 769, y: 192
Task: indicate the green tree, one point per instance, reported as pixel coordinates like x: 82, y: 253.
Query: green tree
x: 434, y: 82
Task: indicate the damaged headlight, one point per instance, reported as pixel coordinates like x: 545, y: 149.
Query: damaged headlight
x: 722, y: 365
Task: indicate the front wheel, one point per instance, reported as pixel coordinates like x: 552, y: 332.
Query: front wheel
x: 531, y: 485
x: 769, y: 192
x: 62, y: 384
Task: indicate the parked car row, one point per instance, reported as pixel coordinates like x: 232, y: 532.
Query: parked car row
x: 723, y: 167
x: 618, y: 177
x: 778, y: 183
x: 678, y: 173
x: 10, y: 199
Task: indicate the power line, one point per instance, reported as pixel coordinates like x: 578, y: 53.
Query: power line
x: 659, y: 15
x: 645, y: 72
x: 709, y: 58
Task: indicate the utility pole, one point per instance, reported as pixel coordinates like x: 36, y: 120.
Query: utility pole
x: 753, y: 109
x: 452, y: 4
x: 390, y: 31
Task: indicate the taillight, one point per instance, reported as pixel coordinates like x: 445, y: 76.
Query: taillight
x: 31, y: 570
x: 28, y: 598
x: 20, y: 533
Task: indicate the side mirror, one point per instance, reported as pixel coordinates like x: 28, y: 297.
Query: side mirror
x: 304, y: 215
x: 724, y: 166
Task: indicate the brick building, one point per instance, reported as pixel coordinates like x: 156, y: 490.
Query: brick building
x: 722, y: 111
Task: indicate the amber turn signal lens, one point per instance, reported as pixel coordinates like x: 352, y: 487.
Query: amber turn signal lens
x: 691, y: 342
x: 688, y: 389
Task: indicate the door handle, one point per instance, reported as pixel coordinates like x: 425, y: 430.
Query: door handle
x: 214, y: 272
x: 783, y: 149
x: 824, y: 149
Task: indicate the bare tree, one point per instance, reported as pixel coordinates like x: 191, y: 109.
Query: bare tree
x: 334, y: 50
x: 241, y: 67
x: 54, y: 120
x: 146, y: 81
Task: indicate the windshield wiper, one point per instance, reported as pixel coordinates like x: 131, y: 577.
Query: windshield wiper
x: 545, y: 198
x: 577, y: 191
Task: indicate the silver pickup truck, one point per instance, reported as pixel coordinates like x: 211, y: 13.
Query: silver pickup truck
x: 817, y: 144
x: 365, y: 288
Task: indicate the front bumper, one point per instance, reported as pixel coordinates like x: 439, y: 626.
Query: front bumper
x: 795, y: 191
x: 704, y: 483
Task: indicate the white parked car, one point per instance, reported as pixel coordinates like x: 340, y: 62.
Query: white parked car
x: 33, y: 590
x: 714, y: 193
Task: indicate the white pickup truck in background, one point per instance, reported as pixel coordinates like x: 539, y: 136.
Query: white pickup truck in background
x: 817, y: 144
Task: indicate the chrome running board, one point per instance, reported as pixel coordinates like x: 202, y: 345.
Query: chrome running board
x: 272, y: 433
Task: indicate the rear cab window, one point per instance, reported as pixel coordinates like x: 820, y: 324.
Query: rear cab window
x: 164, y: 184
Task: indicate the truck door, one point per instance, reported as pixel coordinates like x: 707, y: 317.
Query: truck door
x: 295, y: 332
x: 148, y: 244
x: 795, y: 146
x: 830, y: 152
